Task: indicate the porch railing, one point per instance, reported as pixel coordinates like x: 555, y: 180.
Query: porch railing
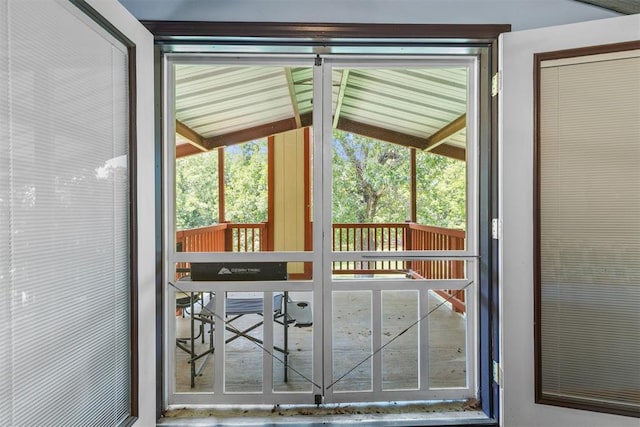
x: 228, y: 237
x: 436, y: 238
x: 369, y: 237
x: 225, y: 237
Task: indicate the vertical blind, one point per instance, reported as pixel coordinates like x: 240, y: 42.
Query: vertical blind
x: 64, y: 218
x: 589, y: 207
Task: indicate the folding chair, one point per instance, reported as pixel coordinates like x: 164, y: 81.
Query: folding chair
x: 235, y: 308
x: 285, y: 311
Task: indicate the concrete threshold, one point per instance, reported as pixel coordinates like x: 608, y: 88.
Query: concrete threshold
x: 454, y: 413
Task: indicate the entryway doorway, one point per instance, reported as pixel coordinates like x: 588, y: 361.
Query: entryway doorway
x: 331, y: 203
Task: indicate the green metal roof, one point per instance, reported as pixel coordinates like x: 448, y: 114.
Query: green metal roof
x: 219, y: 105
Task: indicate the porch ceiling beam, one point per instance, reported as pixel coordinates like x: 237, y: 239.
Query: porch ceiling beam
x: 381, y: 133
x: 250, y: 134
x: 184, y: 150
x: 343, y: 87
x: 292, y: 94
x: 306, y: 119
x: 450, y: 151
x: 400, y: 138
x: 193, y: 137
x: 447, y: 131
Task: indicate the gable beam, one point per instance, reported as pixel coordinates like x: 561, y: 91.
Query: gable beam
x: 190, y: 135
x: 401, y: 138
x: 249, y: 134
x: 450, y: 151
x: 381, y: 133
x: 292, y: 94
x: 343, y: 87
x: 447, y: 131
x: 184, y: 150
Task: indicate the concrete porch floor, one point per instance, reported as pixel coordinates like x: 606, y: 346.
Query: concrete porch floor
x: 352, y: 344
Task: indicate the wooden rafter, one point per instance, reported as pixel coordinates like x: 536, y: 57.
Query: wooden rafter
x: 450, y: 151
x: 250, y: 134
x: 434, y: 144
x: 193, y: 137
x: 292, y: 93
x: 184, y: 150
x: 343, y: 86
x: 446, y: 132
x: 381, y: 133
x: 400, y: 138
x: 306, y: 119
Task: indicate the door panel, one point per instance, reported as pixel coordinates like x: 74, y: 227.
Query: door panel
x: 244, y: 277
x: 393, y: 301
x: 516, y: 210
x: 78, y: 91
x: 400, y: 288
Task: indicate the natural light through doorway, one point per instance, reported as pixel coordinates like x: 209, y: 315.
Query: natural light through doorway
x: 322, y: 231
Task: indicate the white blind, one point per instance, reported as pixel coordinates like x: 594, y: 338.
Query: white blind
x: 64, y: 217
x: 590, y: 230
x: 5, y: 212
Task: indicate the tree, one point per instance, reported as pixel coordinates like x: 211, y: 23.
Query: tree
x: 197, y: 191
x: 197, y: 194
x: 246, y: 183
x: 370, y: 180
x: 441, y: 191
x: 371, y: 183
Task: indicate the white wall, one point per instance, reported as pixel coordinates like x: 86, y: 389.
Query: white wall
x: 521, y: 14
x: 516, y: 211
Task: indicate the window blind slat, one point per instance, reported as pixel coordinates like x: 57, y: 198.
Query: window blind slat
x: 589, y: 152
x: 5, y: 221
x: 65, y: 200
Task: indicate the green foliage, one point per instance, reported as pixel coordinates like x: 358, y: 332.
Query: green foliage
x: 245, y: 178
x: 441, y: 191
x: 370, y: 180
x: 245, y: 186
x: 371, y: 183
x: 197, y: 190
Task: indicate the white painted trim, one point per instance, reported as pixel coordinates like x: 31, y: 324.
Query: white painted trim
x: 325, y: 81
x: 322, y: 286
x: 115, y: 13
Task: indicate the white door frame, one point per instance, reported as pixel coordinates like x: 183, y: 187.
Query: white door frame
x: 126, y: 23
x: 422, y: 286
x: 322, y: 256
x: 219, y: 396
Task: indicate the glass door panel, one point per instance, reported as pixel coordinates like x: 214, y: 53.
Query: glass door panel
x: 402, y: 244
x: 355, y: 283
x: 240, y: 231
